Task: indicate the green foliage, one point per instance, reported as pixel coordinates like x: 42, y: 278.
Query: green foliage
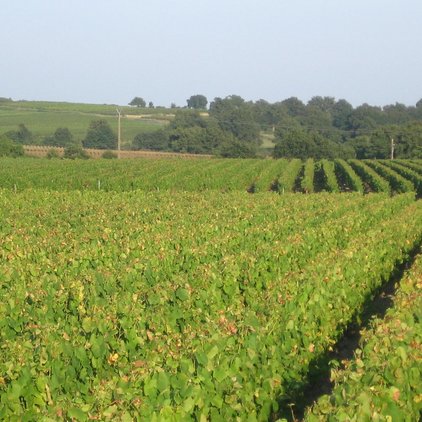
x: 234, y: 148
x: 287, y: 179
x: 349, y: 176
x: 189, y: 132
x: 383, y: 382
x: 156, y: 140
x: 294, y: 107
x: 109, y: 155
x: 376, y: 182
x: 52, y: 153
x: 43, y: 118
x: 182, y: 307
x: 254, y: 175
x: 184, y: 119
x: 62, y: 137
x: 397, y: 182
x: 100, y: 136
x: 330, y: 177
x: 75, y: 152
x: 234, y: 115
x: 22, y: 136
x: 138, y: 102
x: 294, y: 143
x: 407, y: 173
x: 197, y: 102
x: 8, y: 148
x: 347, y: 132
x: 186, y: 139
x: 307, y: 183
x: 298, y: 142
x: 407, y: 138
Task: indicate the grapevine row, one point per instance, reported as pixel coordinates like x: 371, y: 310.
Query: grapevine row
x: 383, y: 382
x: 213, y: 174
x: 155, y: 306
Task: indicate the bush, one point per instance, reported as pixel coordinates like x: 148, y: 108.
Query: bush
x: 8, y: 148
x: 109, y: 155
x: 157, y: 140
x: 52, y: 153
x: 62, y: 137
x: 74, y: 152
x: 22, y: 136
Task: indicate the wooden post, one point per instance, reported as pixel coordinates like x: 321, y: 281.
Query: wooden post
x: 392, y: 148
x: 118, y: 133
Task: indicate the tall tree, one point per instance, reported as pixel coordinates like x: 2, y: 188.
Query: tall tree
x: 138, y: 102
x: 236, y: 116
x: 22, y: 136
x: 325, y: 104
x: 341, y: 113
x: 294, y: 106
x: 62, y: 137
x: 197, y: 101
x: 187, y: 118
x: 100, y: 136
x: 294, y: 143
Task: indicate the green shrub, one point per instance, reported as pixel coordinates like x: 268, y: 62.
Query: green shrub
x: 8, y: 148
x: 75, y: 152
x: 109, y: 155
x: 52, y: 153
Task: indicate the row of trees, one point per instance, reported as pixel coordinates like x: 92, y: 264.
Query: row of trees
x: 233, y: 127
x: 229, y: 131
x: 99, y: 136
x: 189, y: 132
x: 195, y: 101
x: 322, y: 128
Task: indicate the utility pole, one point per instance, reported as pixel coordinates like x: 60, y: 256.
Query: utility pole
x: 119, y: 139
x: 392, y: 148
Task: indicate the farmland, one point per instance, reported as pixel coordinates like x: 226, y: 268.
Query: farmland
x: 384, y: 378
x: 252, y: 175
x: 43, y: 118
x: 163, y: 290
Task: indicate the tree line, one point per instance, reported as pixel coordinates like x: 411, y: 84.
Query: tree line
x: 99, y: 136
x: 322, y: 128
x: 232, y: 127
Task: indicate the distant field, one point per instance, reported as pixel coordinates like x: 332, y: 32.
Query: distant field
x: 43, y: 118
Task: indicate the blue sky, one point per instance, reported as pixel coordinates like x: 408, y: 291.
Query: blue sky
x: 103, y: 51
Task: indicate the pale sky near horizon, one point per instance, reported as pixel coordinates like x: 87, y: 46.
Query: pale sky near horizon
x: 103, y: 51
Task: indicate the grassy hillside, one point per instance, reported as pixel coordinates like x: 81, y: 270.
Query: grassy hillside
x: 43, y: 118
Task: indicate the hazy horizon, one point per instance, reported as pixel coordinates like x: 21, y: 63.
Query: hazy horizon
x: 164, y: 52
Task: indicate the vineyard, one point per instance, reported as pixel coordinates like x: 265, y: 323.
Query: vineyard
x: 385, y: 378
x: 172, y: 290
x: 398, y: 176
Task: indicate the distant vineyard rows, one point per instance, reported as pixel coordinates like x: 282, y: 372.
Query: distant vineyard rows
x: 397, y: 176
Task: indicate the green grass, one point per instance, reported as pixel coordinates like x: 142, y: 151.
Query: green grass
x: 43, y: 118
x: 82, y: 107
